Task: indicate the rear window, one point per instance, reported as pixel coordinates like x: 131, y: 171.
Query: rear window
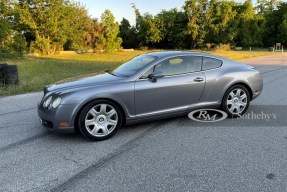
x: 210, y: 63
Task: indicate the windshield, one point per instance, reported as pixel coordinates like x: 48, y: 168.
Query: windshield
x: 136, y: 64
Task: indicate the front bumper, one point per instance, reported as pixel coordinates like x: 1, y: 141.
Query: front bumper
x: 256, y: 93
x: 51, y: 119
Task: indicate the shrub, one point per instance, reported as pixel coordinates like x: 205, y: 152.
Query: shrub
x: 19, y: 44
x: 223, y: 47
x: 40, y: 45
x: 143, y: 48
x: 210, y: 46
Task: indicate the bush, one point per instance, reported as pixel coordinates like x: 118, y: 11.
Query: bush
x: 210, y: 46
x: 8, y: 54
x: 143, y: 48
x: 40, y: 45
x: 19, y: 44
x: 14, y: 48
x: 223, y: 47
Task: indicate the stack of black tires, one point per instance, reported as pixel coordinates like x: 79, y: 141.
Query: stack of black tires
x: 8, y: 75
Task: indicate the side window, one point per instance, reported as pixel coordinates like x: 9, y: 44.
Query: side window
x: 210, y: 63
x: 144, y: 76
x: 179, y: 65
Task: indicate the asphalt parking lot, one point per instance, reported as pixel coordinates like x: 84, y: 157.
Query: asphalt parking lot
x: 169, y: 155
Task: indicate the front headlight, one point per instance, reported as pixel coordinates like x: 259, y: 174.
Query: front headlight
x: 47, y: 102
x: 56, y: 102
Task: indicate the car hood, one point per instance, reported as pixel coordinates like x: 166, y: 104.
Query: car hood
x: 96, y: 79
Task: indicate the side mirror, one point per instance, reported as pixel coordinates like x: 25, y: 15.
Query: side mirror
x: 155, y: 75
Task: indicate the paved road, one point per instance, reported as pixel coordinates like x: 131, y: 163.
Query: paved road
x: 169, y: 155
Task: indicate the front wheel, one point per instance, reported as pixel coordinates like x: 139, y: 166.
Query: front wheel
x: 236, y: 101
x: 100, y: 120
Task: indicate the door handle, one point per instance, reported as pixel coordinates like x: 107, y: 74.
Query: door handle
x: 198, y: 79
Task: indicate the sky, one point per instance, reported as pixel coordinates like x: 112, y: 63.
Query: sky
x: 122, y: 8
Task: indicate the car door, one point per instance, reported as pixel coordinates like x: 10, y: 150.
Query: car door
x: 181, y: 86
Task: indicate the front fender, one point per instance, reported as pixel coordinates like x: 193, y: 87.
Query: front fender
x: 122, y: 94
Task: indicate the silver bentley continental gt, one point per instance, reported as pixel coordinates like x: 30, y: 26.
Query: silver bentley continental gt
x: 151, y: 86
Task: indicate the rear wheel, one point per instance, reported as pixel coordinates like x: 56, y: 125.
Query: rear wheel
x: 100, y: 120
x: 236, y: 101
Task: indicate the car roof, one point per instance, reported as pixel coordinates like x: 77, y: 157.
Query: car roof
x: 162, y: 54
x: 165, y: 54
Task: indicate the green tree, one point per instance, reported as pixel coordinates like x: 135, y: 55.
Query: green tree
x: 128, y: 34
x: 196, y: 12
x: 111, y: 31
x: 12, y: 42
x: 98, y: 41
x: 164, y: 30
x: 222, y: 23
x: 43, y: 19
x: 147, y: 28
x: 78, y: 27
x: 282, y: 28
x: 141, y: 27
x: 173, y: 24
x: 49, y: 25
x: 275, y: 28
x: 249, y: 27
x: 265, y: 6
x: 5, y: 26
x: 153, y: 25
x: 46, y: 26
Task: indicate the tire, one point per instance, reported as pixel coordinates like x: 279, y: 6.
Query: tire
x: 100, y: 120
x: 9, y: 74
x: 12, y: 77
x: 240, y: 101
x: 2, y: 73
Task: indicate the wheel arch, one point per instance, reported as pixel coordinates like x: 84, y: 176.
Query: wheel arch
x: 243, y: 84
x: 78, y: 112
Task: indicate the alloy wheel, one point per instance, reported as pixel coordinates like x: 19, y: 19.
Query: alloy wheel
x: 236, y: 101
x: 101, y: 120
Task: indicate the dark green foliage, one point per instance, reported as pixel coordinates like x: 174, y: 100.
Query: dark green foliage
x: 110, y: 32
x: 249, y: 28
x: 47, y: 26
x: 12, y: 42
x: 128, y: 35
x: 276, y: 25
x: 51, y: 24
x: 207, y: 23
x: 222, y: 22
x: 173, y: 29
x: 55, y: 25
